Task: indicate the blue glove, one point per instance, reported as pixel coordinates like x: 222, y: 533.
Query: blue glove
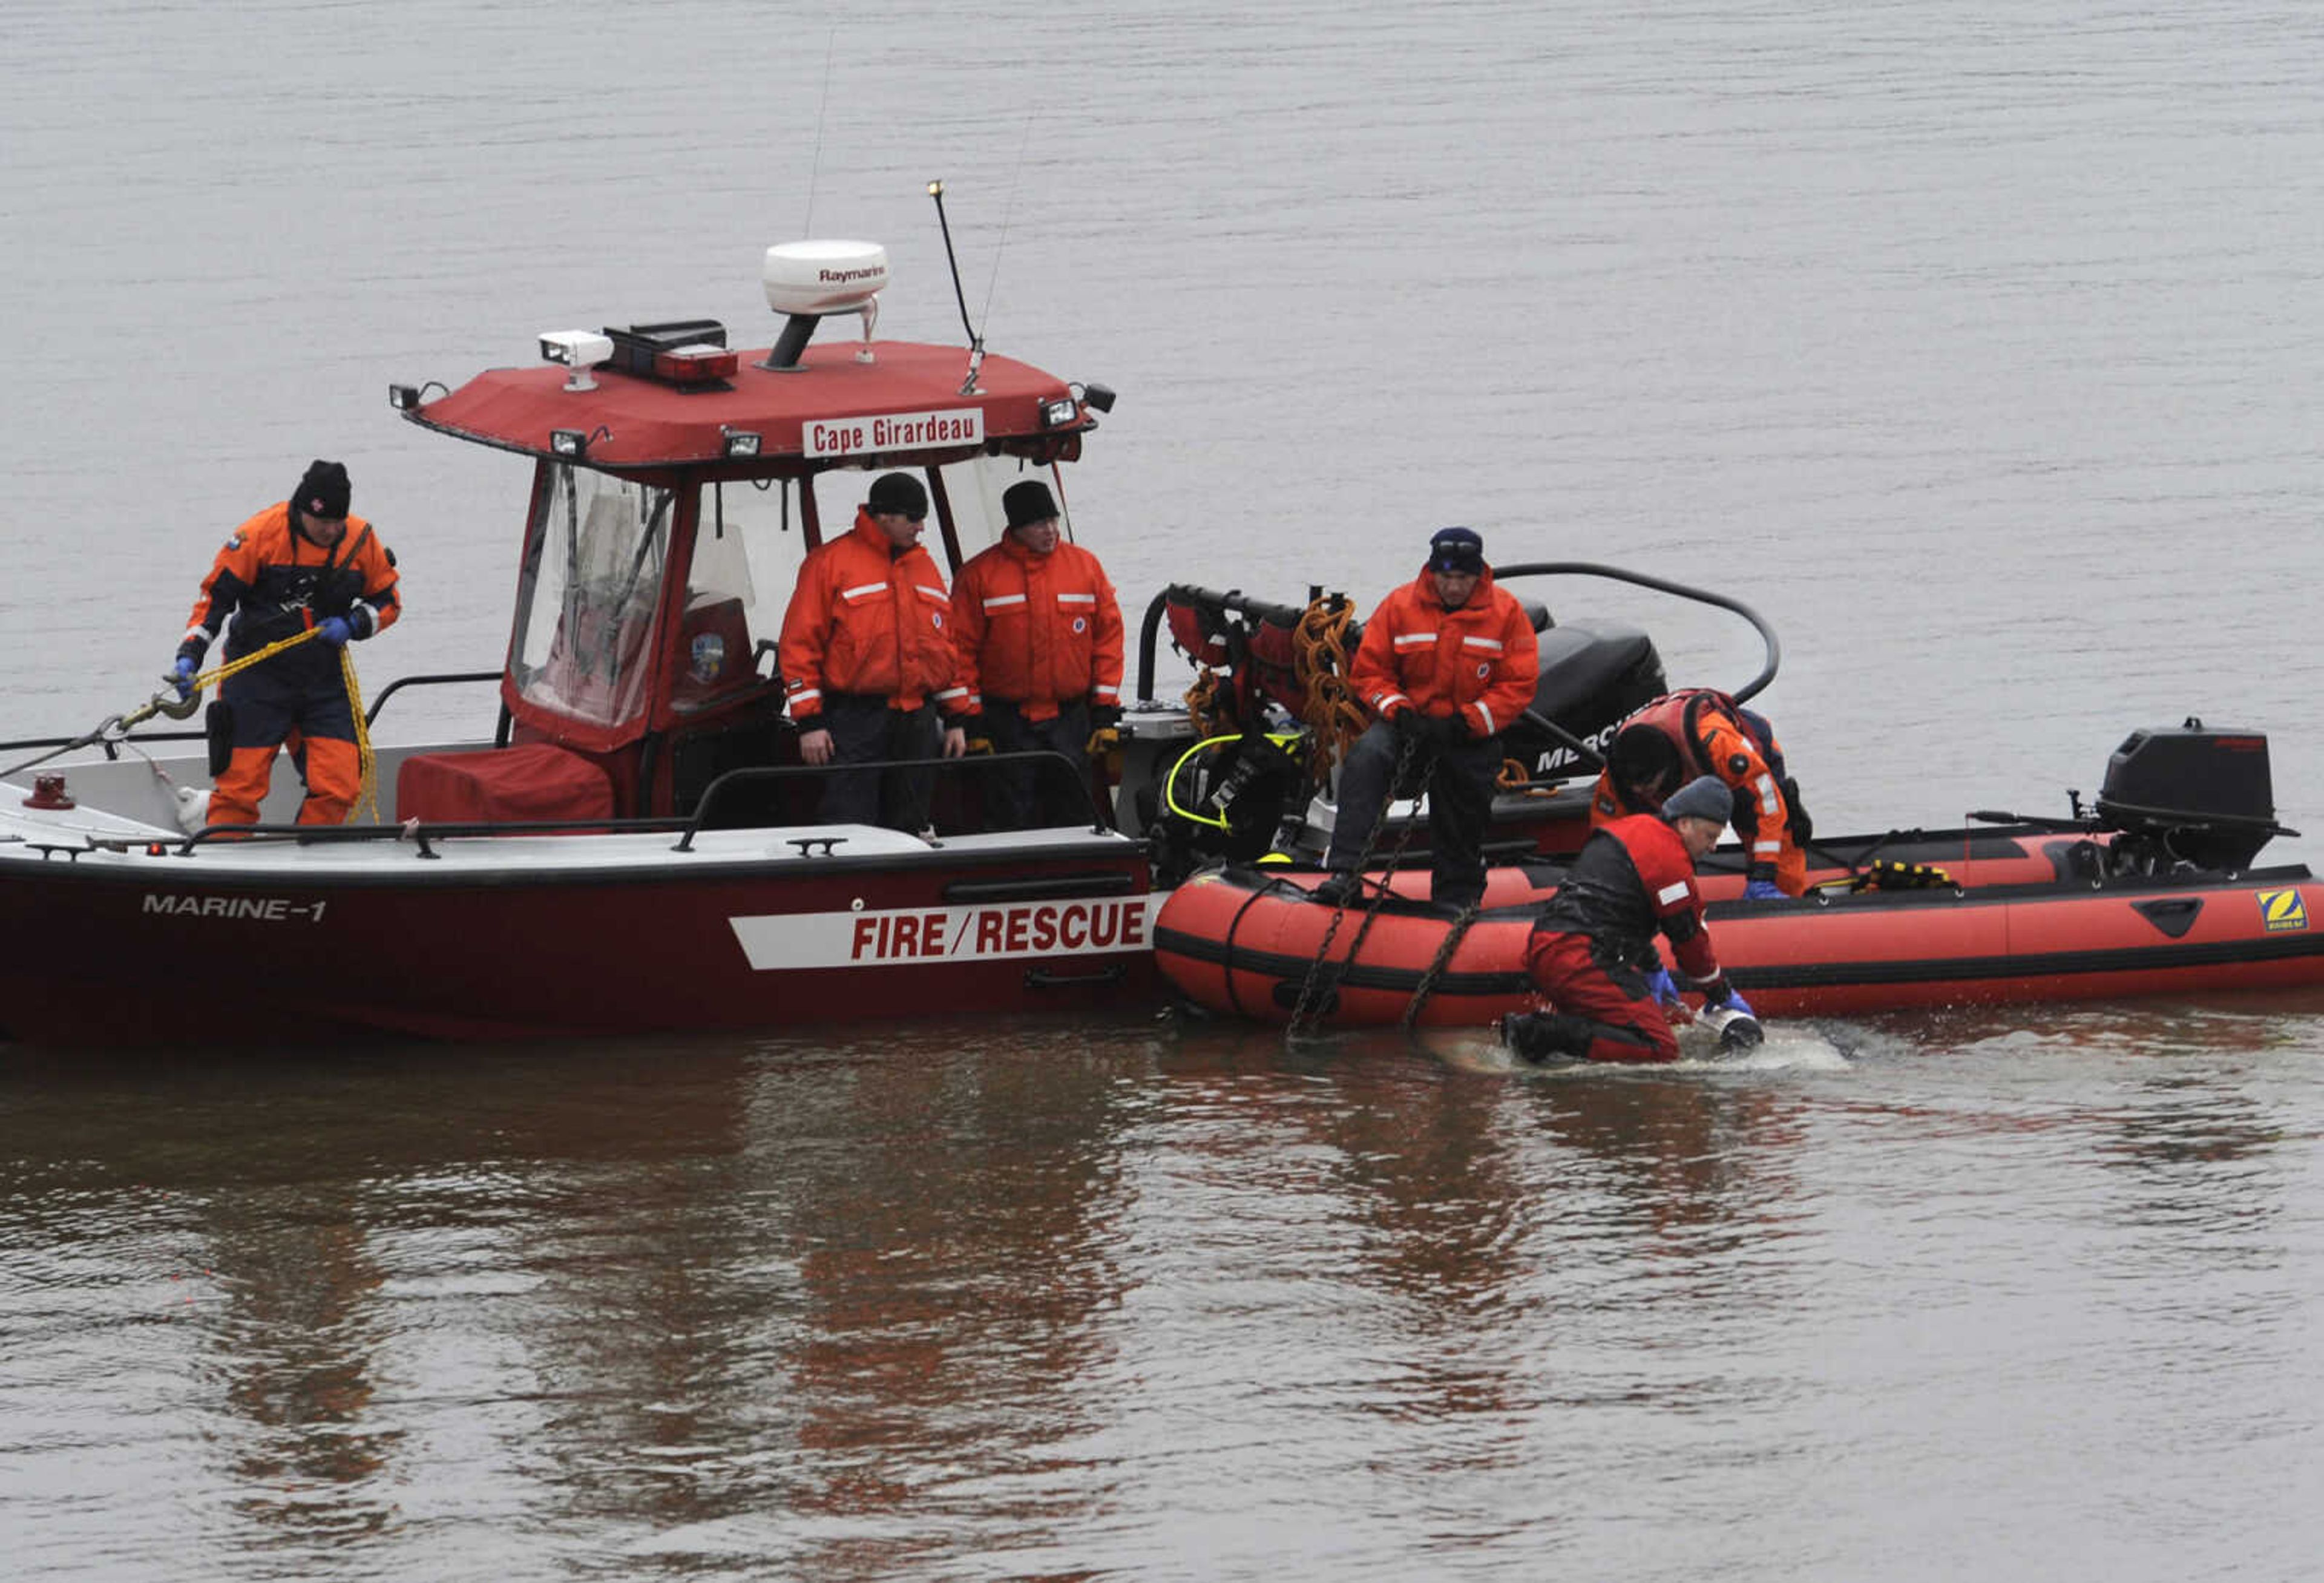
x: 335, y: 630
x: 181, y: 676
x: 1735, y: 1003
x: 1660, y: 986
x: 1762, y: 890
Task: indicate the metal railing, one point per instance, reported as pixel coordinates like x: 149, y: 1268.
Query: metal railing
x: 975, y: 762
x: 688, y: 825
x: 112, y: 745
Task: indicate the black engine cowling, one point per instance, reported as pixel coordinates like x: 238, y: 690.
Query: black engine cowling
x: 1592, y: 678
x: 2189, y: 795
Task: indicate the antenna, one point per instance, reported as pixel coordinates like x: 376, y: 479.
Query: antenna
x: 822, y: 112
x: 1008, y: 212
x: 976, y: 341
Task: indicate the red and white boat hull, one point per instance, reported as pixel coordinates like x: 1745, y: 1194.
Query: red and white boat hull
x: 516, y: 937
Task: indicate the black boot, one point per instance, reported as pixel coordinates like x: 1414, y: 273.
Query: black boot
x: 1542, y: 1035
x: 1340, y: 889
x: 1453, y: 903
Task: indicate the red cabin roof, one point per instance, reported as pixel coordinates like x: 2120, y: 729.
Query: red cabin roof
x: 830, y: 410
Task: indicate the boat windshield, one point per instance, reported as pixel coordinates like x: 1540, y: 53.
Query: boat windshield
x: 972, y: 490
x: 975, y: 488
x: 748, y: 544
x: 585, y: 605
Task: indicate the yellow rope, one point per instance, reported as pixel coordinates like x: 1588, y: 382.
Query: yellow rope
x: 367, y: 796
x: 231, y: 667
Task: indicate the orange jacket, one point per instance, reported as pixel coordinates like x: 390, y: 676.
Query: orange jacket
x: 1037, y: 631
x: 1712, y: 739
x: 273, y: 583
x: 867, y: 618
x: 1479, y: 661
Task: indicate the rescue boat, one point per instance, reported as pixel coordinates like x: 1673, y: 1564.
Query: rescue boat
x: 628, y: 846
x: 2150, y: 891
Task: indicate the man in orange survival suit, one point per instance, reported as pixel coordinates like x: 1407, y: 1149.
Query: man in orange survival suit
x: 1699, y: 732
x: 1448, y: 661
x: 300, y: 563
x: 867, y: 660
x: 1592, y: 948
x: 1039, y: 636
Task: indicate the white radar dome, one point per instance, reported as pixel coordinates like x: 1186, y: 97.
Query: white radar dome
x: 824, y: 277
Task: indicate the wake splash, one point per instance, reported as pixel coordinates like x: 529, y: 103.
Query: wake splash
x: 1787, y: 1048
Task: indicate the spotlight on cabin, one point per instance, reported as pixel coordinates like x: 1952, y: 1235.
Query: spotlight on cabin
x: 578, y: 350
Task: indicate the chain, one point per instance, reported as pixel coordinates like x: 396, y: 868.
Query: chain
x: 1468, y: 915
x: 1307, y: 989
x: 1319, y: 665
x: 1202, y: 707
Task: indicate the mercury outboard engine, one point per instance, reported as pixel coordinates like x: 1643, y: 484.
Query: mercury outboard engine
x: 1592, y: 678
x: 2188, y: 796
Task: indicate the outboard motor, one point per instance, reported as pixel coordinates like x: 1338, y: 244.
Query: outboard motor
x: 1592, y: 678
x: 2186, y: 796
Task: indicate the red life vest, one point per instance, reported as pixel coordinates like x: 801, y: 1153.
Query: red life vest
x: 1715, y: 736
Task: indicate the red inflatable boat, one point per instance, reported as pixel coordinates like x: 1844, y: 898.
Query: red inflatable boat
x: 2137, y: 897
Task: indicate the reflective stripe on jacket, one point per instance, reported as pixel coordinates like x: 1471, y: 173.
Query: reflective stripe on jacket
x: 1037, y: 631
x: 869, y: 619
x: 1479, y: 661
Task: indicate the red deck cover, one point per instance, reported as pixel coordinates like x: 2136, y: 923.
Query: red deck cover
x: 538, y: 781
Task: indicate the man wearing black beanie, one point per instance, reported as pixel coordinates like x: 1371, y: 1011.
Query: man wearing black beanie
x: 302, y: 563
x: 1039, y: 632
x: 868, y: 663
